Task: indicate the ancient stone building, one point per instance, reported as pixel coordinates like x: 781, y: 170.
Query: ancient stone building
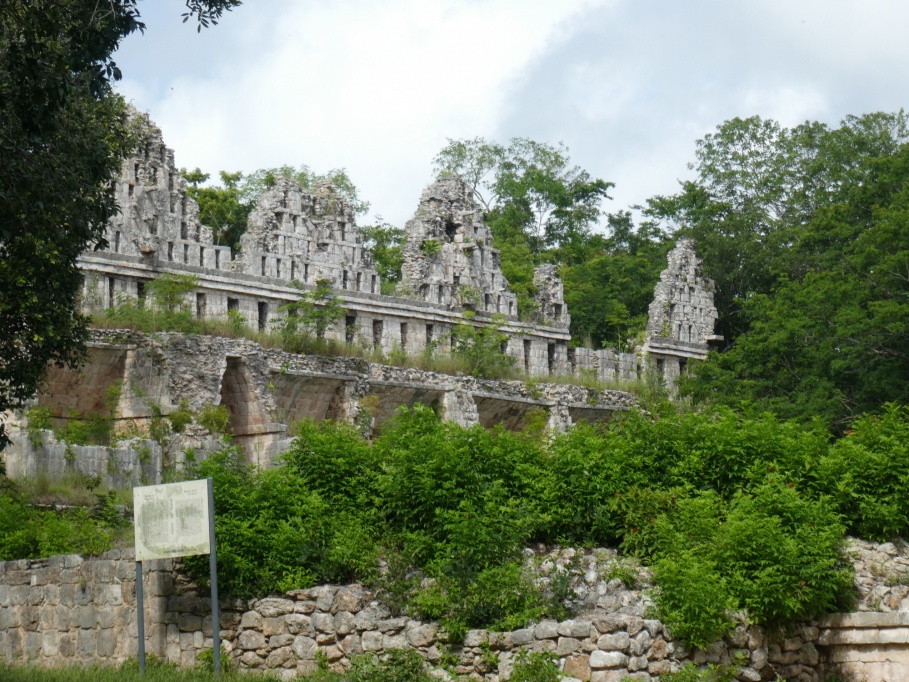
x: 682, y: 314
x: 297, y: 237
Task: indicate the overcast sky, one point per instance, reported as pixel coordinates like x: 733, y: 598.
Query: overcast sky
x: 376, y: 86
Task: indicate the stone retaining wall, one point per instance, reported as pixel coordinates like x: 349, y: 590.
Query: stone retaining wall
x: 67, y: 610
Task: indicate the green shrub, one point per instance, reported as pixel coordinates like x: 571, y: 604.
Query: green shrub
x: 709, y: 673
x: 214, y: 418
x: 783, y: 555
x: 500, y: 597
x: 540, y: 666
x: 397, y: 665
x: 693, y: 599
x: 26, y: 532
x: 866, y: 475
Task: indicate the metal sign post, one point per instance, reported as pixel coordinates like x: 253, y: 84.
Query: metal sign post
x: 176, y: 520
x: 213, y: 579
x: 140, y: 617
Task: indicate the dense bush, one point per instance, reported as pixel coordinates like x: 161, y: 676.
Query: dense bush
x: 866, y: 474
x: 26, y: 531
x: 734, y: 512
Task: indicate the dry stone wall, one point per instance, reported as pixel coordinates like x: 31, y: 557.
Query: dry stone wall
x: 69, y: 610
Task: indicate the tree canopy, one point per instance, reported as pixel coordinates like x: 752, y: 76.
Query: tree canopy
x: 63, y: 133
x: 806, y: 231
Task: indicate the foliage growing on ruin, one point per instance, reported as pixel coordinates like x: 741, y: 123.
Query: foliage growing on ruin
x: 61, y: 126
x: 385, y: 242
x: 254, y: 184
x: 311, y: 316
x: 481, y: 349
x: 27, y: 531
x: 222, y: 208
x: 752, y: 508
x: 168, y: 292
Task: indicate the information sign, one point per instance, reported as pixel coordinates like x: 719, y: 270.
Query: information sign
x: 174, y: 520
x: 171, y: 520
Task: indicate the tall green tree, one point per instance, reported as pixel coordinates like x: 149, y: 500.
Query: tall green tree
x: 221, y: 207
x: 63, y: 133
x: 609, y: 291
x: 758, y: 185
x: 827, y: 335
x: 386, y: 242
x: 539, y: 207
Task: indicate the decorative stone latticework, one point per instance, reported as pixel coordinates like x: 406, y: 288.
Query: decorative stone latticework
x: 301, y: 236
x: 158, y: 220
x: 681, y: 316
x: 448, y: 258
x: 451, y: 272
x: 296, y: 235
x: 550, y: 297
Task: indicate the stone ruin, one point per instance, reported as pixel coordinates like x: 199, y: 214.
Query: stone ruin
x: 448, y: 258
x: 296, y: 238
x: 681, y: 316
x: 295, y: 235
x: 303, y: 236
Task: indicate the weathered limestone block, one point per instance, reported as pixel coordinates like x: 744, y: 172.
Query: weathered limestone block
x: 550, y: 297
x: 607, y: 659
x: 448, y: 258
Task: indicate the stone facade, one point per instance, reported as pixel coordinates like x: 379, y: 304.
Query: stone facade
x: 295, y: 235
x: 681, y: 316
x: 449, y: 259
x: 301, y: 237
x: 265, y: 390
x: 70, y: 610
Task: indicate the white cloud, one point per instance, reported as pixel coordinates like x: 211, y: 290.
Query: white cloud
x: 377, y: 85
x: 375, y: 88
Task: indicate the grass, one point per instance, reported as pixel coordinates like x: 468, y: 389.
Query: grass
x: 73, y: 489
x: 126, y: 673
x: 150, y: 320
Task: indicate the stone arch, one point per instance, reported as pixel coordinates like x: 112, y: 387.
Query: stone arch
x: 238, y: 394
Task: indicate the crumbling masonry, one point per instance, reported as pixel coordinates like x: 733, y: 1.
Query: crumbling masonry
x: 302, y: 236
x: 295, y: 238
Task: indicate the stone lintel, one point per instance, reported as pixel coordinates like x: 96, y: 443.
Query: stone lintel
x: 309, y: 374
x: 865, y: 619
x: 512, y: 398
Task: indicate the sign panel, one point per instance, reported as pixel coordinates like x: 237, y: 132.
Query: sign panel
x: 171, y: 520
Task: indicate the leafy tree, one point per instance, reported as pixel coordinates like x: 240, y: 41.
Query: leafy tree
x: 221, y: 208
x: 63, y: 132
x: 829, y: 338
x: 533, y: 194
x: 386, y: 243
x: 609, y: 291
x: 254, y: 184
x: 313, y: 314
x: 481, y: 348
x: 758, y: 185
x: 538, y: 206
